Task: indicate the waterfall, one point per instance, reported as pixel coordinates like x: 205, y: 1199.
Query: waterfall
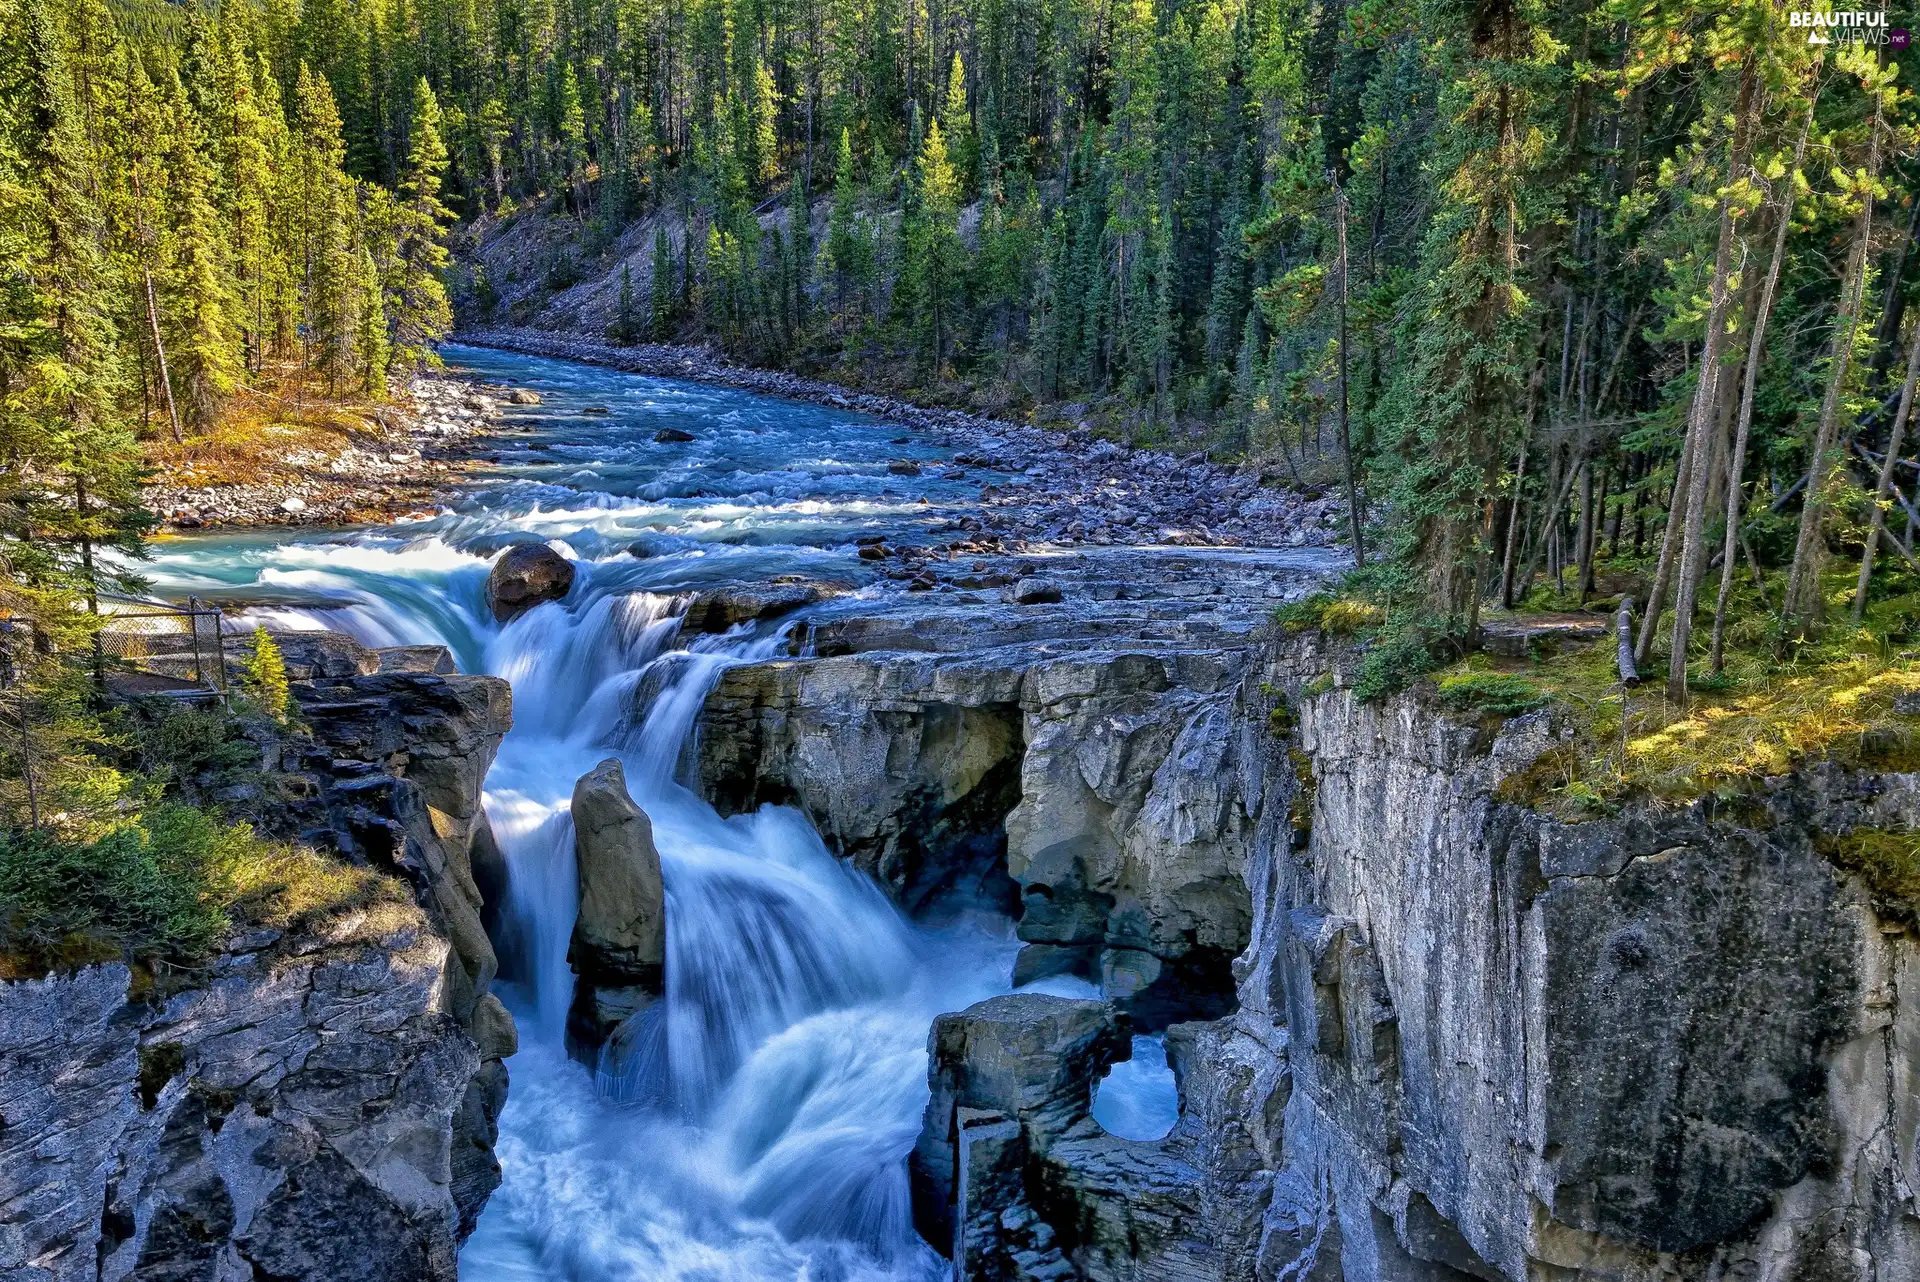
x: 753, y: 1124
x: 778, y: 1083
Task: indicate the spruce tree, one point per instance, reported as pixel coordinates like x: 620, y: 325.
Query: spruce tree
x: 418, y: 309
x: 625, y: 328
x: 663, y: 296
x: 372, y: 349
x: 956, y: 125
x: 328, y: 270
x: 208, y: 354
x: 935, y: 260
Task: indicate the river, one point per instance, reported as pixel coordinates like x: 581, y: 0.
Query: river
x: 759, y: 1128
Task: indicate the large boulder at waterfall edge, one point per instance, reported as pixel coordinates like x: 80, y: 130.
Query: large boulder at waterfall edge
x: 1026, y: 1059
x: 719, y: 609
x: 526, y: 576
x: 619, y: 946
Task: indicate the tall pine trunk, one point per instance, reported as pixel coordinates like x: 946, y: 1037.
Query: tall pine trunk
x: 1756, y: 353
x: 1878, y: 521
x: 1802, y: 605
x: 1706, y: 395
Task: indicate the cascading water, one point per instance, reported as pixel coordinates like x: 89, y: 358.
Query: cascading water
x: 754, y: 1123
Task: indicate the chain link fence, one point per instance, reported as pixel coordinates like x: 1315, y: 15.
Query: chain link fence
x: 149, y: 648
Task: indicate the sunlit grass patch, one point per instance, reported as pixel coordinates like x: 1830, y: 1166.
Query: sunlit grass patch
x: 168, y: 886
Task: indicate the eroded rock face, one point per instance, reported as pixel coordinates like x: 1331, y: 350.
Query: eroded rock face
x: 526, y: 575
x: 1014, y: 1180
x: 1678, y: 1029
x: 619, y: 946
x: 1026, y: 1057
x: 720, y: 609
x: 1088, y: 768
x: 393, y: 779
x: 1469, y: 1041
x: 293, y: 1118
x: 1109, y: 786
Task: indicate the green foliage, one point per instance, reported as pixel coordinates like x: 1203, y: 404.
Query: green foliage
x: 1329, y: 612
x: 266, y: 677
x: 143, y: 890
x: 1394, y: 659
x: 1495, y: 694
x: 166, y: 886
x: 626, y: 327
x: 1887, y: 859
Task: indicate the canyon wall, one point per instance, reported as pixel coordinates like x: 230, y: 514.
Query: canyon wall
x: 1457, y: 1039
x: 310, y: 1106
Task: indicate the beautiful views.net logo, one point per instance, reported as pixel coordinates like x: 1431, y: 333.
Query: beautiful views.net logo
x: 1852, y: 26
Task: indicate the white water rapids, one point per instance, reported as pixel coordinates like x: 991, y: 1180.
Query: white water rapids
x: 757, y: 1125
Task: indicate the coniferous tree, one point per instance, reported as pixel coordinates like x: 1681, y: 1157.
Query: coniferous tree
x: 207, y: 349
x: 373, y: 351
x: 418, y: 309
x: 328, y: 270
x: 625, y: 328
x: 663, y: 295
x: 934, y: 262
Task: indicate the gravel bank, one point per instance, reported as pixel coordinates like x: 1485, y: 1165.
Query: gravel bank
x: 424, y: 442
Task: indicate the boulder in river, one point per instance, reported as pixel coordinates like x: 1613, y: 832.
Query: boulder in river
x: 1027, y: 1059
x: 619, y: 946
x: 522, y: 396
x: 672, y: 436
x: 527, y: 575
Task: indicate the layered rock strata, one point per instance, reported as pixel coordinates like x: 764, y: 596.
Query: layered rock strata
x: 307, y: 1107
x: 295, y: 1116
x: 1457, y: 1039
x: 1472, y: 1041
x: 1087, y: 765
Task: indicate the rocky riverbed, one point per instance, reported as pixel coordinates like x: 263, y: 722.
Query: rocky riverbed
x: 1037, y: 485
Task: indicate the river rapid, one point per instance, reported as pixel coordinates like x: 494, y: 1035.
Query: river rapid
x: 759, y: 1127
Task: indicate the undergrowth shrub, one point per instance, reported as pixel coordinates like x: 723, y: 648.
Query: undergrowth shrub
x: 167, y: 885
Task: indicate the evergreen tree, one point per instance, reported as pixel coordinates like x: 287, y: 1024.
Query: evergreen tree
x: 625, y: 328
x: 266, y: 677
x: 935, y: 262
x: 849, y: 250
x: 328, y: 270
x: 663, y: 296
x: 372, y: 351
x: 418, y: 309
x: 208, y: 356
x: 957, y: 125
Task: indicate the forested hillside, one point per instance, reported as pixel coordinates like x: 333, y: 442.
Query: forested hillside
x: 178, y: 230
x: 1493, y: 246
x: 183, y: 254
x: 1524, y: 279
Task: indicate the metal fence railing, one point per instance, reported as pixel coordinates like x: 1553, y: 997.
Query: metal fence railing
x: 180, y: 650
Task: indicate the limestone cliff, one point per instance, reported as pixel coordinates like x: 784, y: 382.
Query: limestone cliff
x: 292, y: 1117
x: 309, y: 1107
x: 1089, y: 765
x: 1459, y: 1038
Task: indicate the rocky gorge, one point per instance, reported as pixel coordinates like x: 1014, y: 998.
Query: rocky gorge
x: 778, y: 808
x: 1420, y: 1030
x: 309, y: 1105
